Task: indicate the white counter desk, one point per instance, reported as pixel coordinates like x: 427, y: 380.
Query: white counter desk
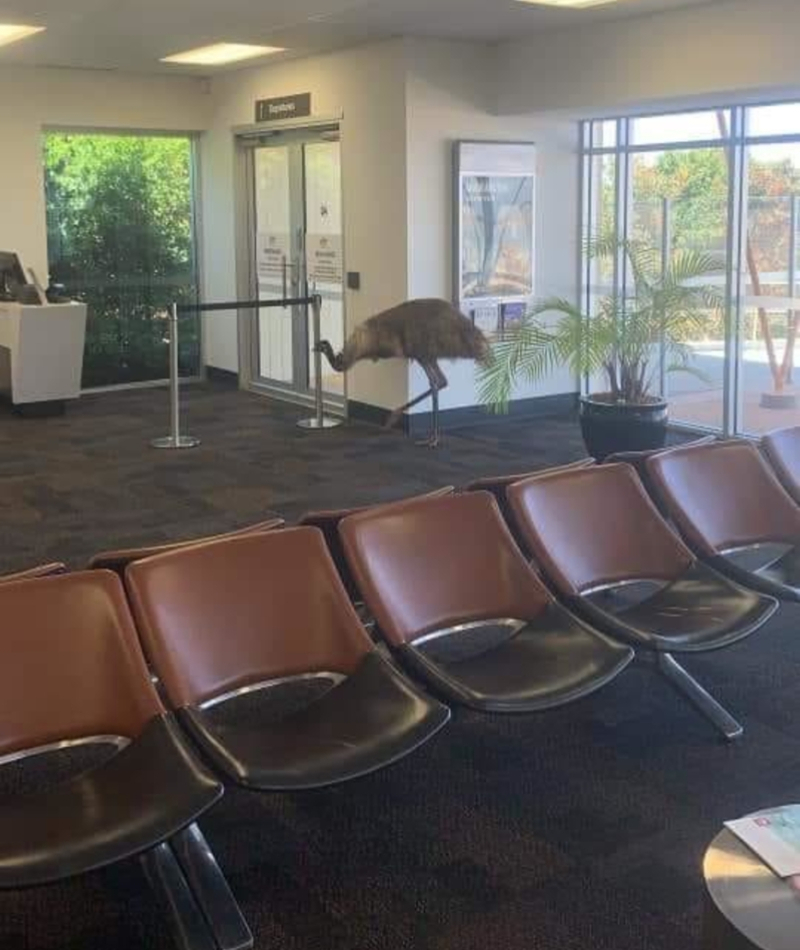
x: 41, y: 355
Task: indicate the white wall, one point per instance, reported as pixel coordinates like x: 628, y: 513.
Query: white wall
x: 37, y: 98
x: 720, y: 49
x: 365, y: 86
x: 449, y: 95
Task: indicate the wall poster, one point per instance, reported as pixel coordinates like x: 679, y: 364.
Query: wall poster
x: 494, y: 229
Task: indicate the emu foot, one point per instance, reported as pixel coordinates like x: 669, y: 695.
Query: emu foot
x: 432, y: 442
x: 392, y: 420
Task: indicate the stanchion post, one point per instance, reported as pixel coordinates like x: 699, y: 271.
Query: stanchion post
x: 174, y: 440
x: 320, y: 420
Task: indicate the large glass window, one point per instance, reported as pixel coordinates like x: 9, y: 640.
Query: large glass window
x: 725, y: 182
x: 121, y: 237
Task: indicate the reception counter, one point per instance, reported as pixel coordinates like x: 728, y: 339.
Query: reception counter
x: 41, y: 355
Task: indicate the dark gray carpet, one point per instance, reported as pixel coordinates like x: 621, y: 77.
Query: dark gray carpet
x: 578, y: 829
x: 89, y: 480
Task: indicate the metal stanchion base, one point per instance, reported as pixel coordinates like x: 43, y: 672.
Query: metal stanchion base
x: 327, y: 422
x: 182, y: 442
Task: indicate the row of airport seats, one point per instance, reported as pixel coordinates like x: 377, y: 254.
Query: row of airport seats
x: 244, y: 660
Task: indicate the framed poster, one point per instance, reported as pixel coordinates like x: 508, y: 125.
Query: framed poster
x: 494, y: 227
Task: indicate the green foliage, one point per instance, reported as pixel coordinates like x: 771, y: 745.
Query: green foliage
x: 622, y: 339
x: 119, y: 216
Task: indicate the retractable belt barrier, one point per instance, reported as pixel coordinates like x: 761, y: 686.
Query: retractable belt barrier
x: 175, y: 439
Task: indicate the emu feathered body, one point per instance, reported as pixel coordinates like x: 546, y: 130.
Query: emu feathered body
x: 424, y: 330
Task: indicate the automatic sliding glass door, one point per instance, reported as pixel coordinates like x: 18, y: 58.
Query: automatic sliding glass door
x: 297, y: 242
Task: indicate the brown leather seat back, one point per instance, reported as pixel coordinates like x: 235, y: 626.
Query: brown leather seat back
x: 118, y: 560
x: 70, y: 662
x: 596, y: 526
x: 328, y: 522
x: 638, y: 460
x: 41, y: 570
x: 724, y: 495
x: 217, y: 616
x: 498, y: 484
x: 429, y: 564
x: 782, y: 448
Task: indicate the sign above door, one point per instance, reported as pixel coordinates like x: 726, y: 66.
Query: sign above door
x: 283, y: 107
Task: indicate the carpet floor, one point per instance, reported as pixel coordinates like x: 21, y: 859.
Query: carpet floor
x: 77, y: 484
x: 578, y: 829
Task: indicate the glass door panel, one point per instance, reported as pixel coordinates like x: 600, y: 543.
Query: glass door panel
x: 324, y: 248
x: 276, y: 257
x: 771, y: 304
x: 679, y: 203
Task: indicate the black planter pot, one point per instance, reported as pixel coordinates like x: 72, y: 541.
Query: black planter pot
x: 610, y: 427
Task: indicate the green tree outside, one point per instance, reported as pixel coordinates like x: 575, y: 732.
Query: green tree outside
x: 120, y: 237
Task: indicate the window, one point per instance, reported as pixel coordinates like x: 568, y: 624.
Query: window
x: 121, y: 237
x: 725, y: 182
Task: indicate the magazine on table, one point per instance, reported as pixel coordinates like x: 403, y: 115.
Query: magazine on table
x: 774, y: 836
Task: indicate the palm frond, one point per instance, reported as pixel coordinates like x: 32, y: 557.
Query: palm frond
x: 668, y: 301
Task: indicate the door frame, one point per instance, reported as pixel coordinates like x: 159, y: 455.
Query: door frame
x: 245, y: 137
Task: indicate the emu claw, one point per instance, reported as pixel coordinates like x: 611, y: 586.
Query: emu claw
x: 432, y: 442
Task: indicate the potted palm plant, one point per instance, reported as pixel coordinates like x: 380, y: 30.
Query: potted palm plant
x: 667, y: 304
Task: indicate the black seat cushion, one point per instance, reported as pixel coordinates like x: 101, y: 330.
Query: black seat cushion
x: 140, y: 797
x: 701, y: 610
x: 371, y: 719
x: 550, y: 661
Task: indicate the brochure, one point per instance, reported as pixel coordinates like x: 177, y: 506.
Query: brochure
x: 774, y: 836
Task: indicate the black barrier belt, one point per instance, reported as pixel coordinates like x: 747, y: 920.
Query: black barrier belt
x: 246, y: 304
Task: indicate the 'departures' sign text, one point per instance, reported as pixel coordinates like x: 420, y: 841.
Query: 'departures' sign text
x: 284, y: 107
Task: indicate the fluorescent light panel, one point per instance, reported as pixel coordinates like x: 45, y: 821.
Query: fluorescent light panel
x: 11, y: 32
x: 218, y: 54
x: 578, y: 4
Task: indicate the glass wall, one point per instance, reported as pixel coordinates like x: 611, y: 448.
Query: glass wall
x: 121, y: 237
x: 724, y: 182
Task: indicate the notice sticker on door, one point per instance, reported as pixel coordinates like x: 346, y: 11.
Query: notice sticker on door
x: 271, y: 251
x: 324, y: 258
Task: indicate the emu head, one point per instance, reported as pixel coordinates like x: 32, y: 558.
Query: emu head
x: 335, y: 359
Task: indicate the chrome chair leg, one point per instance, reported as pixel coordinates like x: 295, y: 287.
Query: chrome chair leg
x: 188, y: 924
x: 703, y: 701
x: 211, y: 890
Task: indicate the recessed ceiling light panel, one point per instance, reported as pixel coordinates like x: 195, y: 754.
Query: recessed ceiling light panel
x: 11, y: 32
x: 577, y: 4
x: 219, y: 54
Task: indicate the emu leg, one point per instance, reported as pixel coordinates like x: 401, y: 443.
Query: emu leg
x: 438, y: 381
x: 396, y: 414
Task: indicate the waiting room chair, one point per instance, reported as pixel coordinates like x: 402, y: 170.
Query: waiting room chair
x: 498, y: 485
x: 41, y: 570
x: 782, y: 449
x: 118, y: 560
x: 733, y: 512
x: 328, y: 523
x: 638, y: 461
x: 460, y: 606
x: 262, y: 655
x: 601, y: 542
x: 74, y: 684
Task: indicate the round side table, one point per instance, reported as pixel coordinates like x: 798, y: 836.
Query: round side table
x: 747, y: 906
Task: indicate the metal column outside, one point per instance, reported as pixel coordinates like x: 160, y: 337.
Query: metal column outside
x: 174, y: 440
x: 319, y: 420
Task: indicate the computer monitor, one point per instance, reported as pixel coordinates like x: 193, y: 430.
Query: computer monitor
x: 12, y: 275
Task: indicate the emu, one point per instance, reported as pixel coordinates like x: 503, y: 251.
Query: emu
x: 425, y: 331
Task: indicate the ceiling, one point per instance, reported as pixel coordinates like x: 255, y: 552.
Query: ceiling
x: 133, y: 36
